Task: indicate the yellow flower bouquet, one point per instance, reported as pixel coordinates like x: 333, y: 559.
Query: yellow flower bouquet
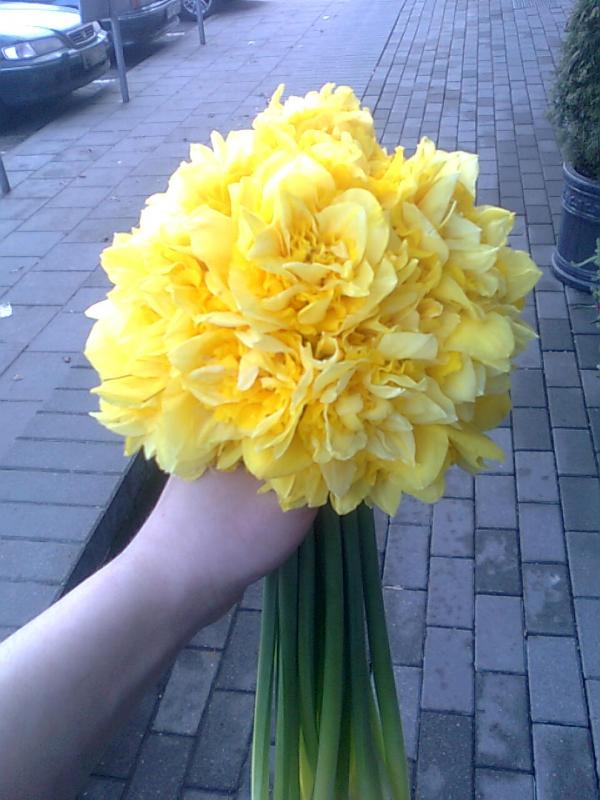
x: 341, y: 321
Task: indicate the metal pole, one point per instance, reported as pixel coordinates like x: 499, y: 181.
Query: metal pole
x: 4, y: 184
x: 200, y: 17
x: 118, y: 45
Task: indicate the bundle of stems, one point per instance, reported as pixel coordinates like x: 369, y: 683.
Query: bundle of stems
x: 325, y: 675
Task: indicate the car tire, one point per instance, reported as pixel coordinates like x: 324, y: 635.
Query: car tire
x: 188, y: 8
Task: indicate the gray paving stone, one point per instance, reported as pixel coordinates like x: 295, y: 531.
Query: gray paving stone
x: 582, y: 315
x: 186, y: 693
x: 53, y: 219
x: 20, y: 602
x: 20, y: 413
x: 553, y: 747
x: 66, y: 333
x: 536, y: 477
x: 20, y: 207
x: 502, y: 722
x: 160, y: 768
x: 459, y: 484
x: 595, y: 426
x: 453, y: 525
x: 66, y: 401
x: 238, y: 667
x: 192, y: 794
x: 103, y: 789
x: 581, y: 503
x: 30, y: 521
x: 79, y: 197
x: 591, y: 387
x: 448, y: 670
x: 502, y: 785
x: 450, y: 596
x: 81, y: 256
x: 413, y: 512
x: 567, y: 409
x: 560, y: 369
x: 25, y: 323
x: 85, y: 297
x: 584, y: 563
x: 30, y: 243
x: 552, y: 305
x: 77, y: 456
x: 33, y: 376
x: 495, y: 505
x: 588, y: 351
x: 81, y: 489
x: 547, y: 599
x: 593, y: 696
x: 407, y: 557
x: 100, y: 229
x: 555, y: 684
x: 531, y: 358
x: 119, y: 757
x: 445, y: 767
x: 408, y: 687
x: 405, y: 614
x: 555, y: 333
x: 252, y: 598
x: 97, y: 279
x: 541, y: 532
x: 68, y: 427
x: 223, y: 742
x: 80, y: 376
x: 503, y: 438
x: 214, y: 636
x: 50, y: 562
x: 499, y: 634
x: 587, y: 611
x: 574, y: 452
x: 497, y: 562
x: 45, y: 289
x: 6, y: 631
x: 531, y: 428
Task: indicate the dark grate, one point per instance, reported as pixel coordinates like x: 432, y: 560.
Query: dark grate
x: 81, y: 36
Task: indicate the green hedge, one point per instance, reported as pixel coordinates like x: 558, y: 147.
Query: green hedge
x: 575, y: 105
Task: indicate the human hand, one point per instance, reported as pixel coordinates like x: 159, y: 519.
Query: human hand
x: 212, y: 537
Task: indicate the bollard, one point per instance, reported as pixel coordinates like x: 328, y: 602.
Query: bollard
x: 4, y: 184
x: 200, y: 16
x: 118, y: 46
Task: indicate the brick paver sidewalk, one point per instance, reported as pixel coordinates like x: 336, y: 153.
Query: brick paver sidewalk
x: 493, y: 595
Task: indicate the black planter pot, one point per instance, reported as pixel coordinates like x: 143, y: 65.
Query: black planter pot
x: 579, y: 230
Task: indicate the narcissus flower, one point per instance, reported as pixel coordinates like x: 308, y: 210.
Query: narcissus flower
x: 340, y: 320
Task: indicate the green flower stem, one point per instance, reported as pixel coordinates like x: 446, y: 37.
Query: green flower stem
x: 261, y: 740
x: 330, y: 716
x: 383, y: 671
x: 306, y: 659
x: 367, y: 782
x: 343, y: 766
x: 287, y: 748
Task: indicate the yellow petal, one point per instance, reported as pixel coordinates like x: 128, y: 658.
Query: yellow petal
x: 408, y: 345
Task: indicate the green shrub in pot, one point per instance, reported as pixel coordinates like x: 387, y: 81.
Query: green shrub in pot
x: 575, y: 112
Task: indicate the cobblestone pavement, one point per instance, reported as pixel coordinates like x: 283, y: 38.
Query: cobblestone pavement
x: 494, y: 594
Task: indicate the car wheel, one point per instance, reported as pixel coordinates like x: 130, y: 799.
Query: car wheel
x: 188, y: 8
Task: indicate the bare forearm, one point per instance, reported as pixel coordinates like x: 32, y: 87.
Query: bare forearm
x: 70, y: 676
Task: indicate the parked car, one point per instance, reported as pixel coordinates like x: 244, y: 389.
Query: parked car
x: 143, y: 21
x: 46, y: 52
x: 188, y: 8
